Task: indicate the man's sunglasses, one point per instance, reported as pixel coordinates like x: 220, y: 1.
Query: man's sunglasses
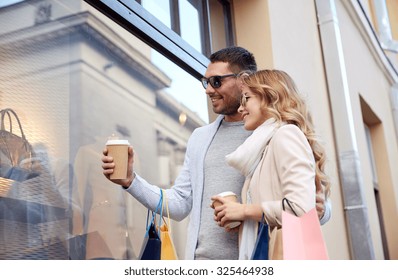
x: 215, y: 81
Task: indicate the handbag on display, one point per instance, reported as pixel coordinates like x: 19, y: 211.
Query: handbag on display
x: 302, y: 236
x: 260, y: 251
x: 151, y: 247
x: 31, y: 205
x: 15, y: 151
x: 168, y: 251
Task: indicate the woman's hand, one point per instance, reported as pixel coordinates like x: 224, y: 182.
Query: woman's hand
x: 228, y: 211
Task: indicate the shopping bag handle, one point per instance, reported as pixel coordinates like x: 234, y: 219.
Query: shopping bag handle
x: 168, y: 224
x: 159, y: 209
x: 288, y: 203
x: 8, y: 112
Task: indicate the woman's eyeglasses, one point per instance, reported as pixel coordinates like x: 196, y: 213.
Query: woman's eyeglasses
x: 215, y: 81
x: 243, y: 100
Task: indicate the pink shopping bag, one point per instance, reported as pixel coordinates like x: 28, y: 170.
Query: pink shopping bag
x: 302, y: 237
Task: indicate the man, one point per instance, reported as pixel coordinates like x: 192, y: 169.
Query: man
x: 205, y: 172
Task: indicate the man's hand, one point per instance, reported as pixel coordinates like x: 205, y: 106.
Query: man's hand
x: 108, y: 165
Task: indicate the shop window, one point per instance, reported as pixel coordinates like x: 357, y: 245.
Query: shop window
x: 74, y: 77
x: 76, y: 72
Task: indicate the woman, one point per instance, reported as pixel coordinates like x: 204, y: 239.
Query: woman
x: 281, y: 159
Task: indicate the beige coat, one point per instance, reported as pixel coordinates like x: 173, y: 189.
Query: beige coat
x: 287, y: 169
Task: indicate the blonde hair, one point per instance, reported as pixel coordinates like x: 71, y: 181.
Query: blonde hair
x: 282, y: 101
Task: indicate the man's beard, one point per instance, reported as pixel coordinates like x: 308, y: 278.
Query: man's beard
x: 229, y: 109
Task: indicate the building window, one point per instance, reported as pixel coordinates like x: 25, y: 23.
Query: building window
x: 196, y: 21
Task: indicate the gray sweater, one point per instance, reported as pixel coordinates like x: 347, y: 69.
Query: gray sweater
x: 185, y: 197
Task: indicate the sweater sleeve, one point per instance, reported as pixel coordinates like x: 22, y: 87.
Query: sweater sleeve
x: 328, y: 212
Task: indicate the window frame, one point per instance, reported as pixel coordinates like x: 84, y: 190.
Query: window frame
x: 228, y: 26
x: 142, y: 24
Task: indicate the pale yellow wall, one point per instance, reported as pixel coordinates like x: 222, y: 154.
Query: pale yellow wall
x: 366, y: 77
x: 386, y: 179
x: 297, y: 50
x: 392, y: 6
x: 217, y: 26
x: 284, y: 34
x: 253, y: 29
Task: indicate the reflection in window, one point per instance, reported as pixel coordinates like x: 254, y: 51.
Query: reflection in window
x: 184, y: 17
x: 190, y: 28
x: 184, y: 88
x: 160, y: 9
x: 221, y: 26
x: 205, y: 25
x: 9, y: 2
x: 73, y: 83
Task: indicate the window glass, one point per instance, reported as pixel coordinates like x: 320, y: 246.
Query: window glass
x: 160, y: 9
x: 73, y: 78
x: 217, y: 25
x: 8, y: 2
x: 190, y: 24
x: 184, y: 88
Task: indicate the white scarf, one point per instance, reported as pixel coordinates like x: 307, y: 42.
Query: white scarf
x: 245, y: 159
x: 248, y: 155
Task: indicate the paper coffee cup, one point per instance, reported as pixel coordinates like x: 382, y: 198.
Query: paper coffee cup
x: 232, y: 197
x: 118, y: 149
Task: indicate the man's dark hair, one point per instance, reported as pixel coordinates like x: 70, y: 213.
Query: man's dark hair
x: 238, y: 58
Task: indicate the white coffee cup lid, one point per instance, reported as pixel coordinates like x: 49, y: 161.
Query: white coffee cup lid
x: 117, y: 142
x: 223, y: 194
